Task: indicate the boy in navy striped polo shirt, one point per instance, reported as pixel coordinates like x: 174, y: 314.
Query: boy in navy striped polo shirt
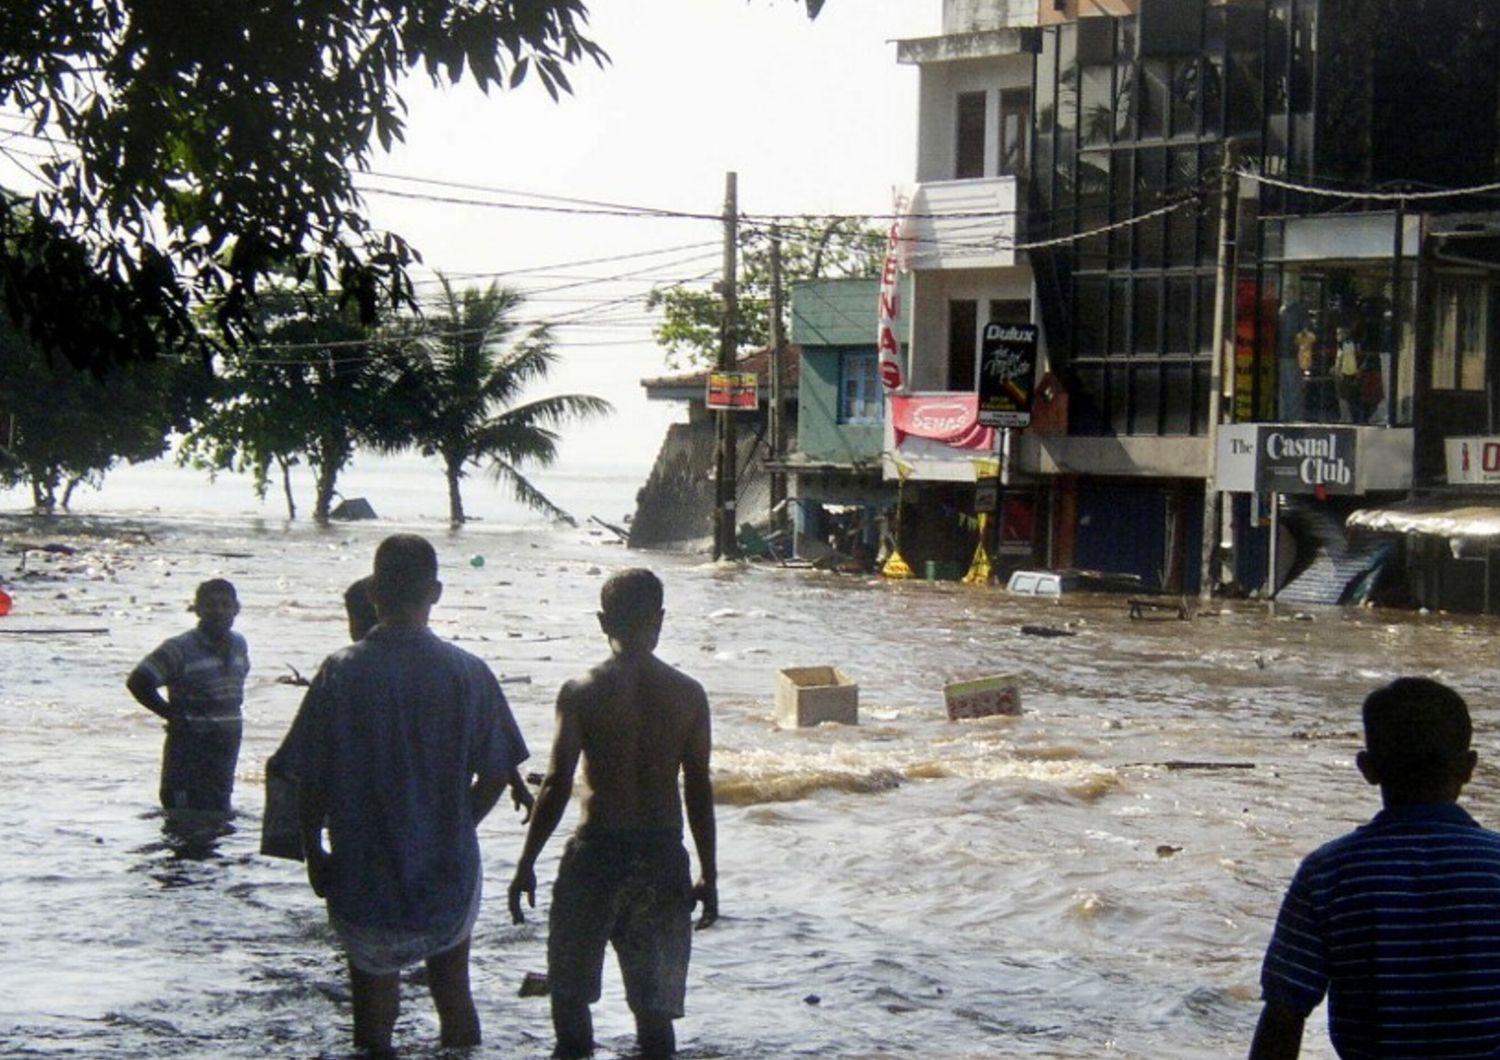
x: 1398, y: 922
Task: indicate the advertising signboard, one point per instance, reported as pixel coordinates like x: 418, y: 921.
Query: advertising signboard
x: 1277, y: 458
x: 1473, y: 461
x: 887, y: 345
x: 1007, y: 374
x: 732, y: 390
x: 1307, y: 460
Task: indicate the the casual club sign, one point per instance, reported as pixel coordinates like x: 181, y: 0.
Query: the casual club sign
x: 1275, y: 458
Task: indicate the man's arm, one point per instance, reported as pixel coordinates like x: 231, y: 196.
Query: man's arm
x: 520, y: 794
x: 485, y: 792
x: 551, y: 802
x: 312, y: 811
x: 698, y: 796
x: 143, y: 686
x: 1278, y: 1035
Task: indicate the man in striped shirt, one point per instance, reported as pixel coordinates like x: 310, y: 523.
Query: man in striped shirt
x: 203, y: 671
x: 1398, y: 922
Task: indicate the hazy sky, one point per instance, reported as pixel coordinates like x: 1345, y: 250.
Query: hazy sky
x: 814, y: 117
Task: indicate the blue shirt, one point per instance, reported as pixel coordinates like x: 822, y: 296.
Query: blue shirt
x: 393, y: 730
x: 1399, y: 923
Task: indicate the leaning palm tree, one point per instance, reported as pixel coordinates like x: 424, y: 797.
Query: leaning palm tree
x: 466, y: 371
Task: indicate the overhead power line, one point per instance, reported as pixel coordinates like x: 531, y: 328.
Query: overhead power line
x: 1369, y: 195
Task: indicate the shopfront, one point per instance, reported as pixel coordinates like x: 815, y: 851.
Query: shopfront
x: 1346, y: 318
x: 1322, y: 472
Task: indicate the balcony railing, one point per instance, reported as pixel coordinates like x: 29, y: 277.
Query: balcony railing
x: 964, y: 224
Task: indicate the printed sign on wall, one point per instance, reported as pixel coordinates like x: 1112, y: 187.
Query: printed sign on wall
x: 1306, y: 460
x: 1007, y: 374
x: 1473, y: 461
x: 732, y: 390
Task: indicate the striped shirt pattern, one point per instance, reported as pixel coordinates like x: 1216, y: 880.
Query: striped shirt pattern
x: 205, y: 681
x: 1398, y: 922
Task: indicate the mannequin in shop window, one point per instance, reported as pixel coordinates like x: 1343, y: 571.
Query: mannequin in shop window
x: 1307, y: 361
x: 1347, y: 366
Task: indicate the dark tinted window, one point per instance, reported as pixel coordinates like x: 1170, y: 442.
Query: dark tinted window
x: 963, y: 335
x: 969, y: 157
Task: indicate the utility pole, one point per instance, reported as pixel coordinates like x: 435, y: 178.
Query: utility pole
x: 1222, y: 335
x: 778, y: 387
x: 726, y: 543
x: 1398, y: 254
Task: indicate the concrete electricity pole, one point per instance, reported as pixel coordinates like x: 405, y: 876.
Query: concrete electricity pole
x: 726, y: 543
x: 778, y: 386
x: 1223, y: 345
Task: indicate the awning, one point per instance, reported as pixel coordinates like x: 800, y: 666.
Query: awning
x: 1447, y: 520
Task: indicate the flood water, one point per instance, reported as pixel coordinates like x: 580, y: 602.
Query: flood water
x: 1097, y: 877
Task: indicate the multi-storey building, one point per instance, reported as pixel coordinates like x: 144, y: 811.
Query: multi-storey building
x: 1310, y: 359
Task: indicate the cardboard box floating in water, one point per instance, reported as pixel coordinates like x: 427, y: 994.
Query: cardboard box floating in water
x: 811, y: 695
x: 983, y: 697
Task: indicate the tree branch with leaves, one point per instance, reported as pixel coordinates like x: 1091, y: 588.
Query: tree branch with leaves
x: 200, y: 151
x: 812, y: 248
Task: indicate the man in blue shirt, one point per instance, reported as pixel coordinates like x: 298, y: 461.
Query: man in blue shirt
x: 1398, y: 922
x: 203, y: 671
x: 402, y: 745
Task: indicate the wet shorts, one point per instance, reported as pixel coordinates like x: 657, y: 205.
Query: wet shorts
x: 633, y: 890
x: 385, y: 951
x: 198, y: 760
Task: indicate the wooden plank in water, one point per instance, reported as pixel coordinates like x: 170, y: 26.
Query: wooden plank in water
x: 46, y: 632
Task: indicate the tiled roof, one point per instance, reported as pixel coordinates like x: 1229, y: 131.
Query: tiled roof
x: 758, y: 362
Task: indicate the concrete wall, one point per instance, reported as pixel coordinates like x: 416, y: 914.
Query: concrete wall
x: 929, y: 314
x: 820, y: 435
x: 972, y: 16
x: 674, y: 510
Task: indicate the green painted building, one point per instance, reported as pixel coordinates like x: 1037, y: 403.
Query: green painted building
x: 838, y: 493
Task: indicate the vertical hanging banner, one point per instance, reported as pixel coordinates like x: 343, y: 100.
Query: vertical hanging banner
x: 888, y: 342
x: 1007, y: 374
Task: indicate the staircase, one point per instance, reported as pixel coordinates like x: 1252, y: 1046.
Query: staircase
x: 1337, y: 567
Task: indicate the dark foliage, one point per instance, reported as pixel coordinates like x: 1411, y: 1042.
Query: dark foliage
x: 213, y: 144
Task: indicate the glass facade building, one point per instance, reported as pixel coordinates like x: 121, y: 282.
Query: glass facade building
x: 1132, y: 118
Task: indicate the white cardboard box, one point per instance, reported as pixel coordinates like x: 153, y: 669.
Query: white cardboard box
x: 811, y: 695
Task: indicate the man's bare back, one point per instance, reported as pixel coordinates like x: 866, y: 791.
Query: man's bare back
x: 635, y: 725
x: 636, y: 718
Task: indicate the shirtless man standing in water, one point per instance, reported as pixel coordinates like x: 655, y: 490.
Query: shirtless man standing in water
x: 624, y: 876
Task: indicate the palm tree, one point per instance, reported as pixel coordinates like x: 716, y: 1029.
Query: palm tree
x: 469, y: 366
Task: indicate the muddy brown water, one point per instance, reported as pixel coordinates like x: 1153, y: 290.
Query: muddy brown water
x: 1097, y: 877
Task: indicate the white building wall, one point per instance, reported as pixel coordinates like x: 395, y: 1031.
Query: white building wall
x: 931, y: 293
x: 965, y: 224
x: 937, y: 101
x: 970, y: 16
